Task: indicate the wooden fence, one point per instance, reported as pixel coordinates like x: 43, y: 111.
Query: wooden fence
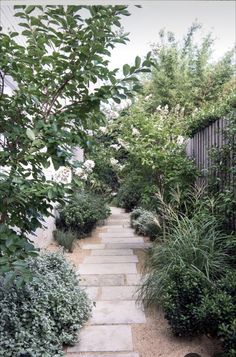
x: 201, y: 147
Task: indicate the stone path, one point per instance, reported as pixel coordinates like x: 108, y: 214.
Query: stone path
x: 110, y: 276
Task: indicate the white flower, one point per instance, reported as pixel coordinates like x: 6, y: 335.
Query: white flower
x: 135, y: 131
x: 88, y: 165
x: 158, y: 109
x: 79, y: 171
x: 103, y: 129
x: 122, y: 143
x: 63, y: 175
x: 113, y: 193
x: 113, y: 161
x: 115, y: 146
x: 84, y: 176
x: 148, y: 97
x: 180, y: 140
x: 89, y: 132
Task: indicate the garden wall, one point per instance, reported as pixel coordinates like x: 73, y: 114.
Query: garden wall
x: 44, y: 236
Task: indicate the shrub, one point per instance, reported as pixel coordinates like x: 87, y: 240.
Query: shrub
x: 218, y: 312
x: 145, y: 223
x: 66, y: 239
x: 129, y: 194
x: 42, y: 315
x: 82, y: 213
x: 184, y: 292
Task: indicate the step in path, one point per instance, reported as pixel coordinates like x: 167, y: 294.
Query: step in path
x: 110, y: 277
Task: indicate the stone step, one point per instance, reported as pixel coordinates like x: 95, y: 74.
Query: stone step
x: 104, y: 338
x: 116, y: 229
x: 100, y: 252
x: 88, y: 269
x: 119, y: 215
x: 115, y: 210
x: 127, y: 245
x: 102, y: 280
x: 119, y: 222
x: 117, y: 234
x: 92, y: 292
x: 122, y: 240
x: 117, y: 312
x: 114, y: 354
x: 93, y: 246
x: 111, y: 259
x: 118, y: 293
x: 133, y: 279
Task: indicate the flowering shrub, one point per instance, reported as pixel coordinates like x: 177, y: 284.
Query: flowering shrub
x: 85, y: 169
x: 82, y: 213
x: 45, y: 313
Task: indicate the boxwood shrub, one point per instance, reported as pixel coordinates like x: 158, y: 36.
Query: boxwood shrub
x: 40, y: 316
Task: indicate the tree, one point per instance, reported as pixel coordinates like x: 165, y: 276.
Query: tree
x: 185, y: 74
x: 57, y: 98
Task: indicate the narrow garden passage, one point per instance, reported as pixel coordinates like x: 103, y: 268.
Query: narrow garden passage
x: 110, y: 275
x: 109, y: 266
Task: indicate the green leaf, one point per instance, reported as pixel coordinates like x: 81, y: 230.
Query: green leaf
x: 137, y: 62
x: 14, y: 34
x: 126, y: 69
x: 29, y: 9
x: 30, y: 134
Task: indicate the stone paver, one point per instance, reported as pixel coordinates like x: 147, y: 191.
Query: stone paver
x: 104, y: 338
x: 102, y: 280
x: 127, y: 245
x: 132, y: 354
x: 118, y: 293
x: 133, y: 279
x: 120, y: 234
x: 92, y: 292
x: 111, y: 259
x: 129, y: 268
x: 93, y: 246
x: 112, y: 252
x: 118, y: 222
x: 117, y: 312
x: 122, y: 240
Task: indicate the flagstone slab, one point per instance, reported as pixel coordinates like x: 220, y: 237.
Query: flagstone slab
x: 117, y: 312
x: 117, y: 229
x: 87, y: 269
x: 133, y: 279
x: 118, y: 222
x: 102, y: 280
x: 118, y: 293
x: 100, y: 252
x: 111, y: 259
x: 122, y: 240
x: 92, y: 292
x: 120, y: 234
x: 104, y: 338
x: 114, y: 354
x: 127, y: 245
x: 93, y: 246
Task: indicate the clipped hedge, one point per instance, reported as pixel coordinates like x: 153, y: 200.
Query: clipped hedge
x: 40, y: 316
